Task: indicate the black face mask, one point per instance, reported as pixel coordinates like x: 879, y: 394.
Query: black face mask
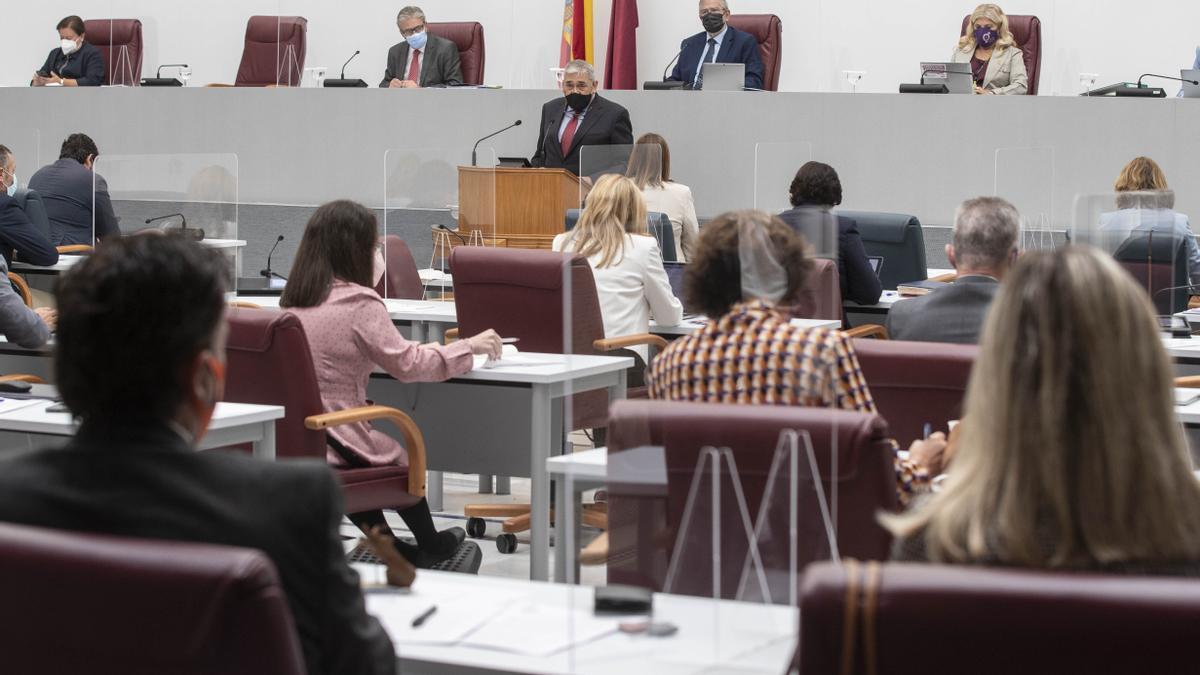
x: 713, y: 22
x: 579, y: 102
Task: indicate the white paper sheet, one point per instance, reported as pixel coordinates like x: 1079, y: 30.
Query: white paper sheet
x: 536, y: 629
x: 456, y: 616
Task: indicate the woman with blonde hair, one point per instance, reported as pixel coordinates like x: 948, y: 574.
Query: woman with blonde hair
x: 650, y: 170
x: 997, y: 64
x: 630, y: 279
x: 1071, y: 457
x: 1146, y: 203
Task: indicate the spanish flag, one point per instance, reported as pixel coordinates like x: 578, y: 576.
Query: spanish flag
x: 577, y: 40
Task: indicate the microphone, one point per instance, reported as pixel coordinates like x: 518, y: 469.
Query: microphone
x: 455, y: 233
x: 158, y: 73
x: 1190, y: 288
x: 342, y: 82
x: 668, y: 68
x: 927, y: 88
x: 192, y: 233
x: 474, y: 161
x: 267, y: 272
x: 1165, y: 77
x: 159, y: 81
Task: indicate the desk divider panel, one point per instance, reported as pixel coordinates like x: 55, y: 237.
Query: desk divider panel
x: 1025, y: 178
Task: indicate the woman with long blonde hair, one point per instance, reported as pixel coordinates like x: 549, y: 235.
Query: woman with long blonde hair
x: 626, y: 262
x: 997, y: 64
x: 1071, y: 456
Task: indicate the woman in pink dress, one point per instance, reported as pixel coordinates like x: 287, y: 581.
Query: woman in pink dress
x: 331, y: 291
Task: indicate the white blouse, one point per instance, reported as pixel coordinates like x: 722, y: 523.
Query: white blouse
x: 676, y: 201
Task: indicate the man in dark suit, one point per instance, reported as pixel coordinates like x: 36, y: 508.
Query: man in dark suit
x: 985, y: 246
x: 422, y: 60
x: 140, y: 361
x: 582, y: 119
x: 16, y: 231
x: 77, y: 200
x: 719, y: 43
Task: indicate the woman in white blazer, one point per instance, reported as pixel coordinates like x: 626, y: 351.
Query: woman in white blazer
x: 997, y: 65
x: 650, y: 171
x: 625, y: 260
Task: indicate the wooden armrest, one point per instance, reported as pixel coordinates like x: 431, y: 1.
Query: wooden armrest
x: 869, y: 330
x: 76, y: 248
x: 22, y: 287
x: 450, y: 336
x: 613, y: 344
x: 31, y: 379
x: 218, y: 85
x: 242, y: 304
x: 949, y: 277
x: 1194, y: 302
x: 1190, y: 382
x: 414, y: 442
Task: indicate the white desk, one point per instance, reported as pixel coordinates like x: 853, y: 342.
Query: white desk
x: 429, y: 318
x: 65, y: 262
x: 884, y: 305
x: 713, y: 636
x: 232, y: 424
x: 1189, y: 415
x: 504, y: 421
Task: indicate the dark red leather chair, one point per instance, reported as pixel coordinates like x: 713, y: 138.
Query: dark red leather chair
x: 1027, y: 31
x: 908, y: 619
x: 269, y: 363
x: 468, y: 37
x: 822, y: 295
x: 914, y: 383
x: 120, y: 43
x: 768, y: 30
x: 401, y: 279
x: 86, y: 603
x: 274, y: 52
x: 643, y: 526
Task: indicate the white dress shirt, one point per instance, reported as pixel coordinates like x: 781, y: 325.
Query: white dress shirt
x: 676, y: 201
x: 632, y: 288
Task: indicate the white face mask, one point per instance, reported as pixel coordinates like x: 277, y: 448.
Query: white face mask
x: 69, y: 47
x: 380, y: 266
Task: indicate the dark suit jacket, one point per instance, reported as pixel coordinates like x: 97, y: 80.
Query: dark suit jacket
x: 858, y: 282
x: 152, y: 485
x: 440, y: 63
x: 606, y: 123
x: 18, y: 233
x: 953, y: 313
x: 85, y: 66
x: 737, y: 47
x: 66, y: 187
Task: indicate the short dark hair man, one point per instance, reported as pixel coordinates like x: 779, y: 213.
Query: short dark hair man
x: 76, y: 198
x: 140, y: 360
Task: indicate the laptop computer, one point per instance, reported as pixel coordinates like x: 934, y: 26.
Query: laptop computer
x: 956, y: 76
x: 723, y: 76
x: 675, y: 272
x: 876, y: 262
x: 1190, y: 90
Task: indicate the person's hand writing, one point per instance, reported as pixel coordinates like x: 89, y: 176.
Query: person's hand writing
x: 487, y: 343
x: 48, y: 315
x: 400, y: 572
x: 929, y: 453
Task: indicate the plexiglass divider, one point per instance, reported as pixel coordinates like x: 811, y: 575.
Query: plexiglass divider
x: 195, y: 195
x: 1025, y: 178
x: 775, y: 164
x: 25, y: 144
x: 290, y: 47
x: 1145, y: 235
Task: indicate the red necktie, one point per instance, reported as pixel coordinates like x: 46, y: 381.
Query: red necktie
x: 414, y: 71
x: 568, y: 136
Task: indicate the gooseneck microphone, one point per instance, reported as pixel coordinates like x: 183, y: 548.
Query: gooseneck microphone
x: 268, y: 273
x: 1165, y: 77
x: 342, y: 82
x: 455, y: 233
x: 474, y: 150
x: 672, y: 63
x: 169, y: 65
x: 356, y: 53
x: 193, y: 233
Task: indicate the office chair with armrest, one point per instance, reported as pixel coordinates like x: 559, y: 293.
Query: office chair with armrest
x: 120, y: 44
x: 644, y: 522
x: 1027, y: 32
x: 914, y: 383
x: 520, y: 293
x: 34, y: 207
x: 658, y: 223
x: 767, y: 29
x: 821, y: 298
x: 148, y: 606
x: 76, y: 249
x: 1158, y: 261
x: 274, y: 52
x: 468, y: 37
x: 862, y: 619
x: 401, y: 278
x: 22, y: 288
x: 898, y: 239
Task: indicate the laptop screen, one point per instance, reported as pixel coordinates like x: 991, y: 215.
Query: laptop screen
x: 876, y: 262
x: 675, y: 272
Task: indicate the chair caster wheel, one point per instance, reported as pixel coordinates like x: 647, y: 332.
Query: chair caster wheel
x: 476, y: 528
x: 506, y: 543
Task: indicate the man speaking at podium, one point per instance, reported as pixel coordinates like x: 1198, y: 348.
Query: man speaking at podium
x: 719, y: 43
x: 581, y: 118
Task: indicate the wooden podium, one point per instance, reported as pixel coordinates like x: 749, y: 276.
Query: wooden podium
x: 518, y: 208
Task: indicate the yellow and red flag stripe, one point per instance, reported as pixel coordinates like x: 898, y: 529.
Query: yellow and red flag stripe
x: 577, y: 40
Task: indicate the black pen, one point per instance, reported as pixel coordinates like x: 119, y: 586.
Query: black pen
x: 424, y: 616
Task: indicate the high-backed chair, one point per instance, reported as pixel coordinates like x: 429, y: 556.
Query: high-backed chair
x: 898, y: 239
x: 274, y: 52
x: 768, y: 30
x: 822, y: 295
x: 524, y: 294
x: 863, y: 619
x: 269, y: 363
x: 140, y: 606
x: 120, y: 43
x: 1158, y: 261
x: 468, y: 37
x: 401, y: 279
x: 915, y: 383
x: 644, y: 525
x: 659, y: 225
x: 1027, y: 31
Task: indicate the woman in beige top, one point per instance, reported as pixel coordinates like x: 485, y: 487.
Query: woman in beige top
x: 650, y: 170
x: 997, y: 65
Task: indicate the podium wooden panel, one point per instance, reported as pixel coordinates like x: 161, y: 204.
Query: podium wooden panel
x: 524, y: 208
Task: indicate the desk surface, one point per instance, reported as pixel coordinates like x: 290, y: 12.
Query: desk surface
x: 689, y: 326
x: 535, y: 368
x: 429, y: 311
x: 713, y: 636
x: 33, y: 418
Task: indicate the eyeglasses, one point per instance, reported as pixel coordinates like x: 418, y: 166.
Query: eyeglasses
x: 711, y: 11
x: 412, y: 31
x: 581, y: 87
